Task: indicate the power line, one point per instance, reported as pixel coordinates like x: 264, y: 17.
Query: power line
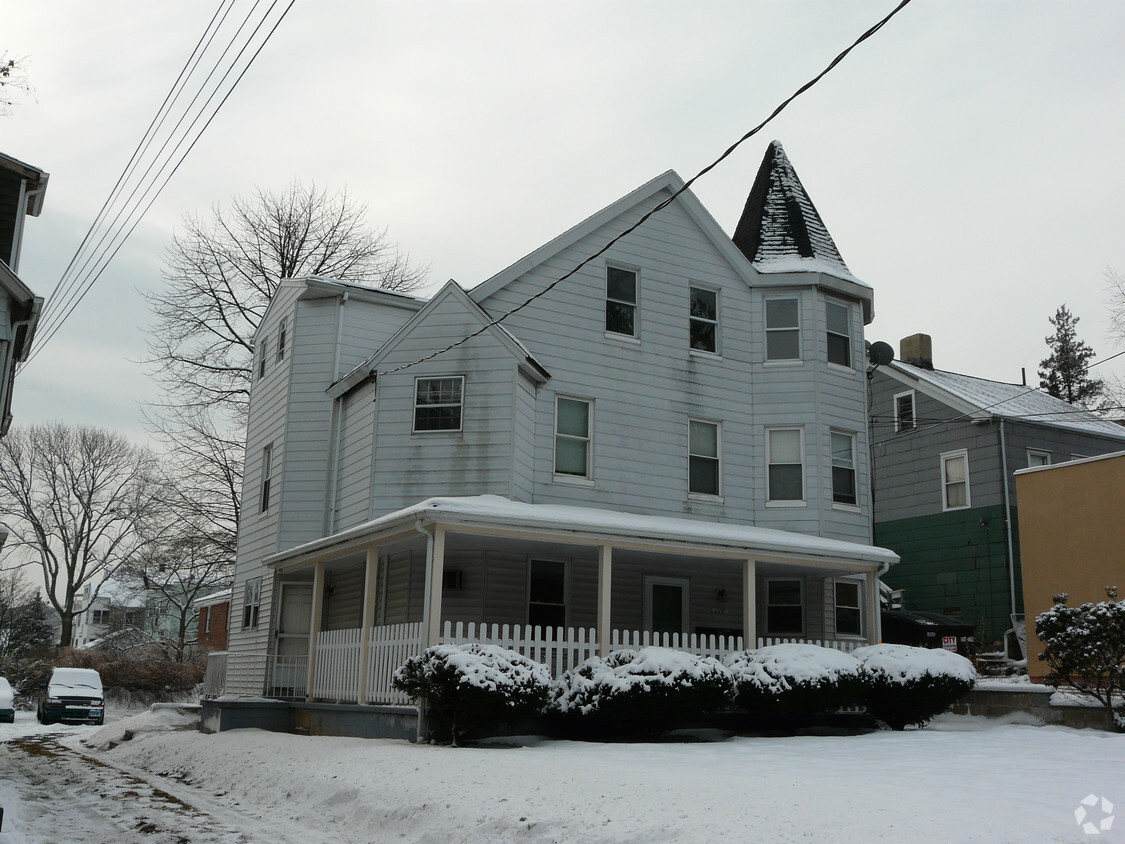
x: 665, y: 203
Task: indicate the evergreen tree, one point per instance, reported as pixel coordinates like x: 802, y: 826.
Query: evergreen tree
x: 1064, y: 373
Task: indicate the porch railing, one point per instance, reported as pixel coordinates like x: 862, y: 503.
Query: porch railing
x: 709, y: 645
x: 560, y: 649
x: 215, y: 675
x: 288, y: 676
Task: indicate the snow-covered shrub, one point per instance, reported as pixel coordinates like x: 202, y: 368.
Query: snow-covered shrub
x: 474, y: 686
x: 790, y: 683
x: 909, y: 685
x: 1085, y: 648
x: 642, y: 692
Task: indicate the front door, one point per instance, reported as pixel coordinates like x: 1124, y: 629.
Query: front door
x: 666, y: 604
x: 295, y: 612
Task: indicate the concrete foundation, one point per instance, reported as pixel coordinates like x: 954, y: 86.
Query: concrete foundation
x: 313, y: 719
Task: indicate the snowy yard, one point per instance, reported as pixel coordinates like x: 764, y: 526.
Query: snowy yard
x: 961, y: 779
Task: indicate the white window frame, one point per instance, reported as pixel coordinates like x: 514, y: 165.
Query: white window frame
x: 206, y: 611
x: 565, y: 477
x: 899, y: 425
x: 946, y: 458
x: 251, y: 603
x: 786, y: 502
x: 281, y: 335
x: 779, y: 329
x: 460, y: 405
x: 718, y: 459
x: 267, y: 478
x: 99, y: 617
x: 566, y: 587
x: 635, y: 304
x: 860, y: 608
x: 785, y: 634
x: 706, y: 288
x: 1038, y: 457
x: 685, y: 607
x: 845, y: 505
x: 831, y: 303
x: 265, y: 354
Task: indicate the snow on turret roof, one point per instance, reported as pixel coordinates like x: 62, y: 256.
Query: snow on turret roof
x: 780, y: 229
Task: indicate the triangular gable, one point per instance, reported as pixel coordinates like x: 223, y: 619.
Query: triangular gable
x: 450, y: 292
x: 668, y: 181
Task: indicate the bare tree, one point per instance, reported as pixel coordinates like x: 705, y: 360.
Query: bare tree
x: 24, y: 626
x: 13, y: 79
x: 83, y: 501
x: 221, y: 273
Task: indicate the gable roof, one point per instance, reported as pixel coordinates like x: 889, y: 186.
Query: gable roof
x: 780, y: 229
x: 668, y: 181
x: 983, y: 399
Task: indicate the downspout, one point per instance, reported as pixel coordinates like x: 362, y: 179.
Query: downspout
x: 339, y: 334
x: 334, y: 466
x: 1008, y: 517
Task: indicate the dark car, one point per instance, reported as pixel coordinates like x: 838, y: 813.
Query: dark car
x: 72, y: 694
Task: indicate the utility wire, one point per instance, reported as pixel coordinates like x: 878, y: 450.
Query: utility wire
x: 665, y: 203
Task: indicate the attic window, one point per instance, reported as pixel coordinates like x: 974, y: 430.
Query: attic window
x: 438, y: 403
x: 621, y: 301
x: 904, y: 411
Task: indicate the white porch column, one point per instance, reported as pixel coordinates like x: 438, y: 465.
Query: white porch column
x: 367, y: 620
x: 605, y: 584
x: 314, y: 624
x: 749, y: 604
x: 874, y: 617
x: 435, y: 566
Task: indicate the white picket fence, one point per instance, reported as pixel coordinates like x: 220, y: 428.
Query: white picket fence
x: 391, y: 646
x: 845, y: 645
x: 560, y: 649
x: 337, y: 665
x: 700, y: 645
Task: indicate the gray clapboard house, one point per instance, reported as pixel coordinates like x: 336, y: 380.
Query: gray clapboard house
x: 945, y: 446
x: 668, y: 445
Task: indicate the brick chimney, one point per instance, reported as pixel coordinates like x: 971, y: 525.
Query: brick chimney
x: 917, y: 350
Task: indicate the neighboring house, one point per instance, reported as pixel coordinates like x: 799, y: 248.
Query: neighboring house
x: 213, y: 619
x: 116, y: 608
x: 22, y: 191
x: 671, y: 442
x: 945, y: 446
x: 1071, y: 539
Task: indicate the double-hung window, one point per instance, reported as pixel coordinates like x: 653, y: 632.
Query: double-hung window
x: 703, y: 457
x: 262, y: 357
x: 786, y: 471
x: 843, y: 468
x: 849, y: 616
x: 281, y: 342
x: 955, y: 480
x: 785, y: 614
x: 438, y: 403
x: 704, y: 312
x: 572, y: 438
x: 839, y: 334
x: 267, y: 476
x: 101, y: 616
x: 783, y: 331
x: 904, y: 411
x: 251, y: 603
x: 621, y: 301
x: 546, y: 590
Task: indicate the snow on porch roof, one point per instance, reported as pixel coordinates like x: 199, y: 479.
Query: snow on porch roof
x: 588, y: 523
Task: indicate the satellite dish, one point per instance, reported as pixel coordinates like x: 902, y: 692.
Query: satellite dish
x: 880, y: 353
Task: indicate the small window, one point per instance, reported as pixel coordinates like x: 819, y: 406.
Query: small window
x: 620, y: 301
x: 131, y: 618
x: 955, y: 480
x: 251, y: 603
x: 904, y: 411
x: 849, y: 617
x: 265, y: 352
x: 281, y: 341
x: 1036, y: 457
x: 784, y: 608
x: 572, y: 438
x: 704, y: 320
x: 703, y: 457
x: 786, y: 464
x: 438, y: 403
x: 843, y: 468
x: 267, y: 475
x: 783, y: 332
x: 101, y: 616
x: 205, y: 617
x: 839, y: 334
x: 546, y: 605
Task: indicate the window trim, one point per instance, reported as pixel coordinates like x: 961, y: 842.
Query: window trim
x: 635, y: 304
x: 786, y: 502
x: 899, y: 426
x: 531, y: 561
x: 251, y: 603
x: 778, y: 329
x: 860, y: 608
x: 718, y: 458
x: 946, y: 457
x: 264, y: 356
x: 850, y: 365
x: 717, y: 352
x: 588, y: 478
x: 267, y: 478
x: 785, y: 634
x: 414, y: 429
x: 205, y: 613
x: 854, y: 437
x: 1041, y: 453
x: 281, y: 341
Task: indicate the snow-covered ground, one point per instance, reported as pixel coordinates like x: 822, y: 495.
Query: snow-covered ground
x: 960, y: 779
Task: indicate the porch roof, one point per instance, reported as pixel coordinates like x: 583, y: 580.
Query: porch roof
x: 587, y: 525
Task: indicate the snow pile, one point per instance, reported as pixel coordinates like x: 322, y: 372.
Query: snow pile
x: 792, y: 682
x: 903, y: 664
x: 156, y: 720
x: 908, y: 685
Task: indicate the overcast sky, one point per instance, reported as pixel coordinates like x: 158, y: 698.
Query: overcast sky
x: 967, y: 159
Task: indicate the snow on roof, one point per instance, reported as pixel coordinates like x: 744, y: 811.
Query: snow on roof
x: 212, y: 599
x: 1012, y: 401
x: 617, y: 527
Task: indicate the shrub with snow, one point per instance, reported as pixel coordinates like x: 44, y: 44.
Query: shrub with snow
x: 908, y: 685
x: 789, y: 683
x: 642, y: 692
x: 474, y: 686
